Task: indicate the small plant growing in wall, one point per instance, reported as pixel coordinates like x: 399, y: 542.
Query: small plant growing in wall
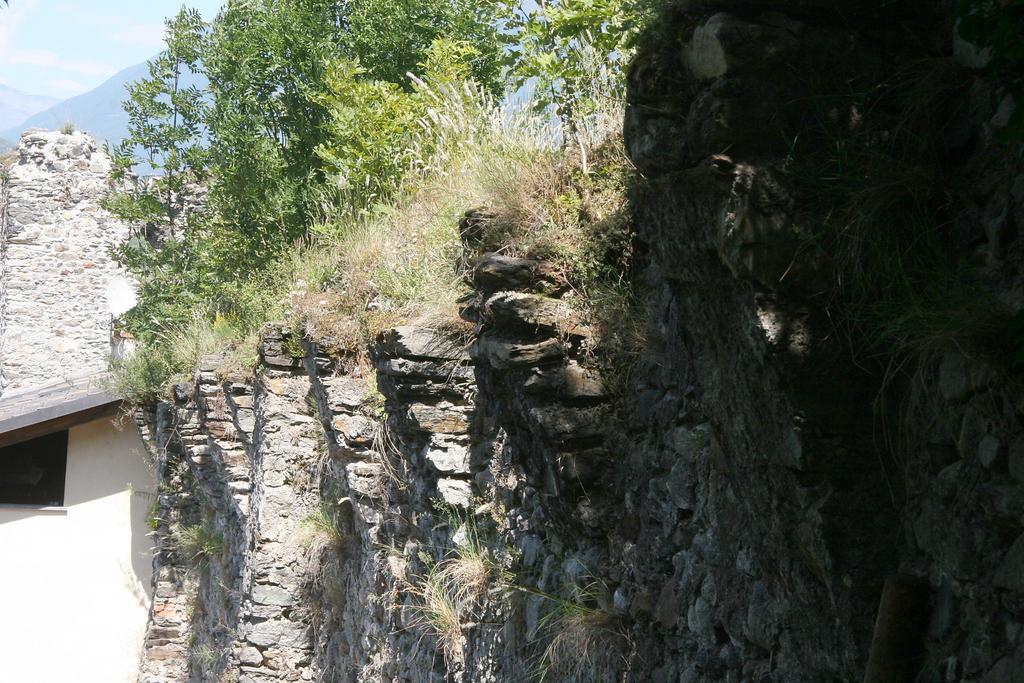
x: 153, y: 518
x: 472, y: 567
x: 321, y: 532
x: 293, y: 345
x: 205, y: 659
x: 68, y: 127
x: 453, y: 589
x: 199, y: 542
x: 438, y: 611
x: 582, y: 633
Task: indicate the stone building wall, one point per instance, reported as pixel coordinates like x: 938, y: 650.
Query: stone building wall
x: 56, y: 272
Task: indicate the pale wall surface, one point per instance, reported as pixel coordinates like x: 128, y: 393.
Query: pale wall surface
x: 75, y: 588
x: 56, y: 273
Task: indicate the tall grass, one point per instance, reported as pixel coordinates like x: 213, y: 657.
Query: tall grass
x: 872, y: 166
x: 152, y: 369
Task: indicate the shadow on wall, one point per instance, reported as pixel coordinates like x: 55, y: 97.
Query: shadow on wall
x: 106, y: 458
x: 138, y: 577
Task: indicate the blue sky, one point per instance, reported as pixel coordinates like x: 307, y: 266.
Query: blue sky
x: 62, y: 48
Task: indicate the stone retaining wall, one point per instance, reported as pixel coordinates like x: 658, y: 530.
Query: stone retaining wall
x: 733, y: 514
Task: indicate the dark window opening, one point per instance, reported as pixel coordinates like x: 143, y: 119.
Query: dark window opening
x: 32, y: 472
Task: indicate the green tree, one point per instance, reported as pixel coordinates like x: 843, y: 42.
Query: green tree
x: 391, y: 38
x: 375, y: 131
x: 572, y: 51
x: 277, y: 139
x: 266, y: 62
x: 165, y: 128
x: 301, y: 96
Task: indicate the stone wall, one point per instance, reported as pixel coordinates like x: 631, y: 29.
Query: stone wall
x: 57, y: 272
x: 405, y: 457
x: 688, y: 534
x: 833, y: 482
x: 757, y: 504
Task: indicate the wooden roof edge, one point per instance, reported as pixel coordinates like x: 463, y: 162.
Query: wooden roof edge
x: 57, y: 418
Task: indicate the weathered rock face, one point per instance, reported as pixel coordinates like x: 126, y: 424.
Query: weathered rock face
x: 819, y: 476
x: 237, y: 460
x: 57, y: 275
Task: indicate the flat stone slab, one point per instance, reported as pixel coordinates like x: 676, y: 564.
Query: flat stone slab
x: 447, y: 457
x: 421, y: 343
x: 438, y: 419
x: 502, y: 353
x: 456, y: 492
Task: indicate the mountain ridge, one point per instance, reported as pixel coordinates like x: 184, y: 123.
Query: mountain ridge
x: 17, y: 106
x: 97, y: 112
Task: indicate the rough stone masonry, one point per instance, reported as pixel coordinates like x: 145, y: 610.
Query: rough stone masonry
x: 57, y: 277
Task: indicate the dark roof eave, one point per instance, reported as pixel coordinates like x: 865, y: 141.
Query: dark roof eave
x: 57, y: 417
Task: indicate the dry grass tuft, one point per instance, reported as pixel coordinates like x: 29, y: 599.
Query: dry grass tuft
x: 471, y: 570
x: 198, y: 543
x: 469, y: 575
x: 320, y: 533
x: 454, y: 589
x: 438, y: 611
x: 582, y: 635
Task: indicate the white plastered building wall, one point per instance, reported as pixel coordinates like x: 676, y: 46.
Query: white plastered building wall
x: 75, y: 583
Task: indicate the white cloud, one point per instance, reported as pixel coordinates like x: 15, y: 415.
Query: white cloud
x: 11, y: 20
x: 67, y: 86
x: 88, y: 15
x: 46, y: 58
x: 148, y: 35
x: 11, y: 55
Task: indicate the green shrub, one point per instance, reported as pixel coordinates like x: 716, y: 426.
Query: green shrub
x: 574, y: 52
x: 335, y: 195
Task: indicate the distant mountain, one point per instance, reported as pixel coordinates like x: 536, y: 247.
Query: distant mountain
x: 16, y: 106
x: 97, y: 112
